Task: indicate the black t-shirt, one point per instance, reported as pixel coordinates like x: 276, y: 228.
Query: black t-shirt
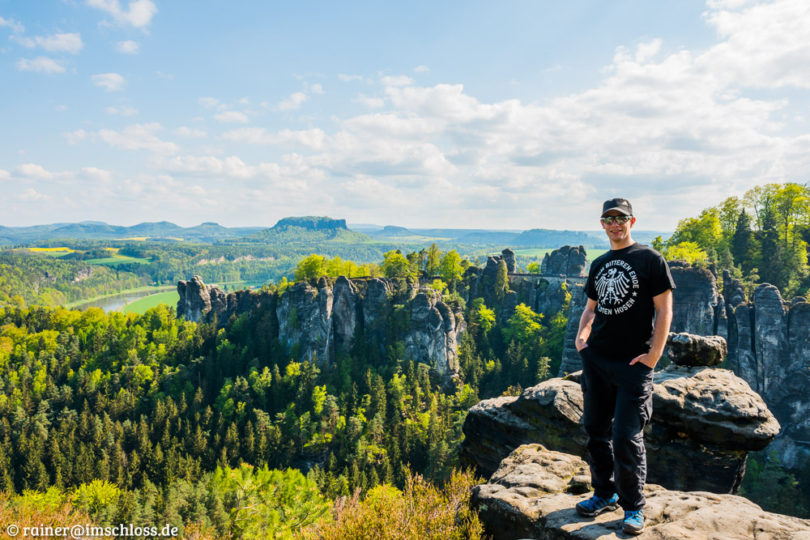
x: 623, y: 282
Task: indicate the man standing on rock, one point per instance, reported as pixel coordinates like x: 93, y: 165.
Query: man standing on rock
x: 621, y: 336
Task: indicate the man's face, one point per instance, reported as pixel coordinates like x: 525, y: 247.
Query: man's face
x: 617, y: 231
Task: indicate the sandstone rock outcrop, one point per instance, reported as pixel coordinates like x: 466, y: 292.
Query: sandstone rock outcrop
x: 690, y: 350
x: 319, y: 321
x: 533, y: 492
x: 567, y: 260
x: 704, y: 422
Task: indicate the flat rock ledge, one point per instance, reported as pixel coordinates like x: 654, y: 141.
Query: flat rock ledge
x: 533, y: 493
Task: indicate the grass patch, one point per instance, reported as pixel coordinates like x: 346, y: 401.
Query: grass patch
x: 140, y: 305
x: 118, y: 259
x: 145, y: 288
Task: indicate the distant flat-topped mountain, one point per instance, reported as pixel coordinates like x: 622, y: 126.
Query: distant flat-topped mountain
x: 309, y: 229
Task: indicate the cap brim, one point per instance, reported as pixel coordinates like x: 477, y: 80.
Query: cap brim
x: 622, y: 210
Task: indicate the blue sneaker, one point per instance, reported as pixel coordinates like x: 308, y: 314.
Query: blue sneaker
x: 633, y: 522
x: 596, y: 505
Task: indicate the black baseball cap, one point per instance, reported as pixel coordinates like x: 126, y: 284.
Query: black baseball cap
x: 620, y: 205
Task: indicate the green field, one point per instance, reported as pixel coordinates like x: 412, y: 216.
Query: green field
x: 140, y: 305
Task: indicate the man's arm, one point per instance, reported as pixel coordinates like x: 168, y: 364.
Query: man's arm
x: 663, y: 318
x: 585, y: 323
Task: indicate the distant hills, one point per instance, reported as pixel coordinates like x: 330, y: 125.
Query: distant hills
x: 98, y: 230
x: 305, y: 229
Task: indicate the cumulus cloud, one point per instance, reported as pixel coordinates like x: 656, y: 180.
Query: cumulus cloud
x: 185, y: 131
x: 691, y: 126
x: 15, y: 26
x: 764, y: 45
x: 31, y: 194
x: 127, y: 47
x: 34, y: 171
x: 369, y: 101
x: 310, y: 138
x: 4, y: 175
x: 232, y: 117
x: 96, y: 174
x: 75, y: 137
x: 293, y: 101
x: 396, y: 80
x: 421, y: 69
x: 111, y: 82
x: 40, y: 64
x: 138, y: 137
x: 208, y: 102
x: 70, y: 43
x: 138, y: 13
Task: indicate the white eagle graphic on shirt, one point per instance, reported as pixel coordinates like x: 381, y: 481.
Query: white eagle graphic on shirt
x: 612, y: 287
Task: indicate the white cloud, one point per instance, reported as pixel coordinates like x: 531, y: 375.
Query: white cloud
x: 127, y: 47
x: 310, y: 138
x: 316, y: 88
x: 421, y: 69
x: 646, y: 51
x: 232, y: 117
x: 293, y: 101
x: 191, y: 133
x: 31, y: 194
x: 122, y: 111
x: 349, y: 78
x: 138, y: 13
x: 138, y: 137
x: 765, y: 45
x: 370, y: 102
x: 40, y: 64
x: 34, y: 171
x: 12, y: 24
x: 208, y: 102
x: 112, y: 82
x: 4, y: 175
x: 396, y: 80
x: 96, y: 174
x: 70, y: 43
x: 75, y: 137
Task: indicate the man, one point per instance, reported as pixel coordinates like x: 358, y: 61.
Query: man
x: 628, y: 288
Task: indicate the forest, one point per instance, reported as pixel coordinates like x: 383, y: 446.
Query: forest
x: 154, y: 419
x: 761, y: 237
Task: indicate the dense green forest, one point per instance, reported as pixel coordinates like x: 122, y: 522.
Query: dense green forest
x: 157, y: 416
x: 761, y: 237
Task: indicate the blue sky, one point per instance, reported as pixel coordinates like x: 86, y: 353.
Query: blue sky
x: 511, y: 115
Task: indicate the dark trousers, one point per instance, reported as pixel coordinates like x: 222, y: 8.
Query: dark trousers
x: 617, y: 406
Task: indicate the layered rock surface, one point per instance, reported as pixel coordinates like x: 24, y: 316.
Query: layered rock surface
x: 533, y: 493
x: 704, y: 423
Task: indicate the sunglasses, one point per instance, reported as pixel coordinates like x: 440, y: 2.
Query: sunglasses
x: 610, y: 220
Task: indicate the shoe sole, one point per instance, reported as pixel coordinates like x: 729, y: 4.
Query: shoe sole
x: 632, y: 530
x: 606, y: 508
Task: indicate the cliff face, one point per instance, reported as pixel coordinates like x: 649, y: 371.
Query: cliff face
x: 318, y: 322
